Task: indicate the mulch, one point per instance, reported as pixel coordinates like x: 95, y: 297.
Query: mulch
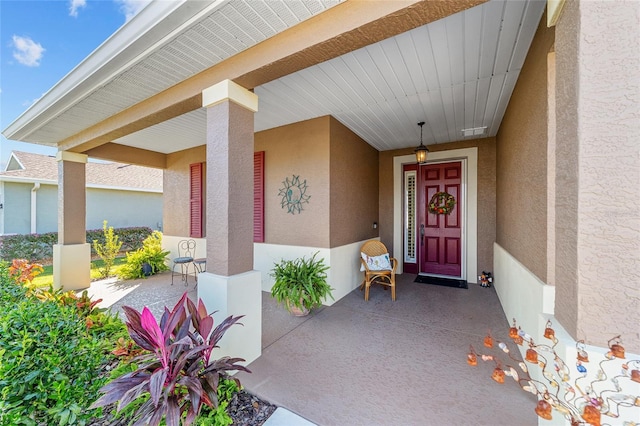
x: 244, y: 408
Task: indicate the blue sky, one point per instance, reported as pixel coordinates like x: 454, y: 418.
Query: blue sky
x: 43, y: 40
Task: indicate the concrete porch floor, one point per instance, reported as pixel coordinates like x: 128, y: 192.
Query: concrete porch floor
x: 372, y: 363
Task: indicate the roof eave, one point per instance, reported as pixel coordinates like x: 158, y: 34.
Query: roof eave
x: 143, y: 34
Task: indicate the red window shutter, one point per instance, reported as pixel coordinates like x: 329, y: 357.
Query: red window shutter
x: 195, y: 200
x: 258, y: 197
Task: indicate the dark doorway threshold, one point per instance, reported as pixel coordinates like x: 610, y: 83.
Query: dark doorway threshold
x: 448, y: 282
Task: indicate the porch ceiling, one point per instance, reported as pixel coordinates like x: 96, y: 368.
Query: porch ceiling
x: 454, y: 73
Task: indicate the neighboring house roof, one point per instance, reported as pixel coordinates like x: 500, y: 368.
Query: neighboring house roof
x: 30, y: 167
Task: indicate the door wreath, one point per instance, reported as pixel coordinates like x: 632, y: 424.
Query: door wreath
x: 441, y: 203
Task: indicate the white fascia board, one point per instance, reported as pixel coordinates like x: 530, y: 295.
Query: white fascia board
x: 149, y: 30
x: 17, y: 179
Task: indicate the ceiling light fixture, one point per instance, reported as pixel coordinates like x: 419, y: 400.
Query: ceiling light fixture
x: 421, y: 151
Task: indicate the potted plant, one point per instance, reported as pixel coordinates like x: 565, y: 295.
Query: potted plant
x: 301, y: 284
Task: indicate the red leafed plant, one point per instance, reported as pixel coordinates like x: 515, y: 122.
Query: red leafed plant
x: 175, y: 368
x: 22, y: 272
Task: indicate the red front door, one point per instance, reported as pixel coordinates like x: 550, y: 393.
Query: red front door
x: 440, y: 234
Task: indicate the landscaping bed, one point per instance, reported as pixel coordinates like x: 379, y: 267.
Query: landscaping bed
x: 58, y: 351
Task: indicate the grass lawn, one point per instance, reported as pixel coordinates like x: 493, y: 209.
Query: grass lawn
x: 46, y: 278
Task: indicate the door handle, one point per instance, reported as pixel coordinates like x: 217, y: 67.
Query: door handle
x: 422, y: 233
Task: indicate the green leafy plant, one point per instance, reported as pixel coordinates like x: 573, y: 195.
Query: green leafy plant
x: 104, y: 324
x: 301, y: 283
x: 38, y: 247
x: 218, y: 416
x: 49, y: 360
x: 151, y: 252
x: 107, y: 250
x: 176, y: 370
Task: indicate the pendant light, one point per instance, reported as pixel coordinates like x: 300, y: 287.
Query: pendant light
x: 421, y: 151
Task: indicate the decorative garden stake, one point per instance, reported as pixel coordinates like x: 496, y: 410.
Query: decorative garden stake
x: 582, y: 401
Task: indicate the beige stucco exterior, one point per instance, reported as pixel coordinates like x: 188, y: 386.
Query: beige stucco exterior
x: 354, y: 187
x: 521, y: 156
x: 598, y: 171
x: 303, y: 150
x: 175, y: 184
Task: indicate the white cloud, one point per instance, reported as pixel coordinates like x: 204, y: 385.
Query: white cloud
x: 74, y: 5
x: 130, y: 8
x: 27, y: 51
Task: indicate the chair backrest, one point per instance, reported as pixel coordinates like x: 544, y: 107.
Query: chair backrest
x: 374, y: 248
x: 186, y: 248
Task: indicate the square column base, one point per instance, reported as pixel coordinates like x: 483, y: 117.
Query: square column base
x: 71, y: 266
x: 235, y: 295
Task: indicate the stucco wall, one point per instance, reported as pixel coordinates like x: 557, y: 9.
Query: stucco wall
x: 354, y: 187
x: 300, y: 149
x: 598, y: 171
x: 175, y: 186
x: 486, y: 195
x: 521, y: 151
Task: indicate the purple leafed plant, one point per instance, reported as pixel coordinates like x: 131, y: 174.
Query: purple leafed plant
x: 175, y: 368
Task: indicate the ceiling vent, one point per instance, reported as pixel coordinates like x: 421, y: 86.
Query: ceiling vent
x: 475, y: 131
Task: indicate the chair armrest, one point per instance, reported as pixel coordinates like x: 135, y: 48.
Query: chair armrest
x: 364, y: 265
x: 394, y: 264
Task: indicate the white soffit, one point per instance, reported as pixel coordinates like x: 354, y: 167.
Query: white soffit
x: 184, y: 38
x: 455, y: 73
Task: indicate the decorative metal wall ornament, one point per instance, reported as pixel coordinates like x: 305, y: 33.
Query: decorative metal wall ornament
x: 293, y: 193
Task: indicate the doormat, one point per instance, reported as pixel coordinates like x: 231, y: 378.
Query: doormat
x: 448, y: 282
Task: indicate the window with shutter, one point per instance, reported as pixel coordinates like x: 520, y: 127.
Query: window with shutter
x: 195, y: 200
x: 258, y: 197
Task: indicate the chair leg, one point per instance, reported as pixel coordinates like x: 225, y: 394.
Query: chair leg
x: 393, y: 292
x: 366, y: 291
x: 184, y: 269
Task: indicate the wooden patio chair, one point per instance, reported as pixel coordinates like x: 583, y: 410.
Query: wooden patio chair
x: 378, y: 267
x: 186, y: 251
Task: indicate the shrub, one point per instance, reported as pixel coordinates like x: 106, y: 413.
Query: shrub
x: 175, y: 374
x: 49, y: 360
x: 108, y: 250
x: 131, y: 237
x: 22, y: 273
x: 39, y: 247
x: 151, y: 252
